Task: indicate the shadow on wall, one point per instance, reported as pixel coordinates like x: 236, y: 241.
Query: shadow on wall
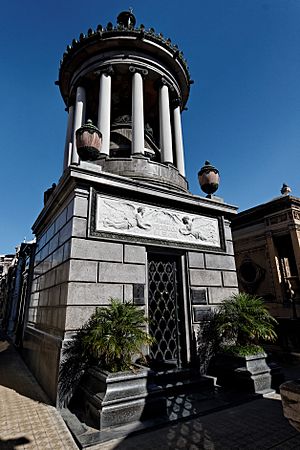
x: 15, y: 375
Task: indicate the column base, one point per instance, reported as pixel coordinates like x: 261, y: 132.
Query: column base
x: 140, y: 167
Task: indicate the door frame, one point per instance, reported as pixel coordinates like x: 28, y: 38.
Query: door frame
x: 186, y: 310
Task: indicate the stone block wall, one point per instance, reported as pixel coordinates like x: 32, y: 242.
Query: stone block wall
x: 51, y: 270
x: 212, y: 278
x: 75, y: 272
x: 100, y: 271
x: 47, y: 311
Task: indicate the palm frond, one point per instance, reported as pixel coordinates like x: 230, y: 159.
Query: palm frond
x: 245, y: 320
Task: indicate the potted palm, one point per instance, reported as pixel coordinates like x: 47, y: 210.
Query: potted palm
x: 241, y: 324
x: 112, y: 389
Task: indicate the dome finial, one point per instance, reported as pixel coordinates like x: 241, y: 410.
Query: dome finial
x: 126, y: 19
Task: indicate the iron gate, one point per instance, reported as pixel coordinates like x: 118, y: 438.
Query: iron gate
x: 165, y: 309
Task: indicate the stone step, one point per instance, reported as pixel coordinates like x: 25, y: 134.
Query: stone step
x: 179, y: 381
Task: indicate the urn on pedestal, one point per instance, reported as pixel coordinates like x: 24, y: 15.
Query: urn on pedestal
x: 209, y: 178
x: 88, y: 141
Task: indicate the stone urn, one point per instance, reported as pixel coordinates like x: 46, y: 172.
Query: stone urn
x: 209, y: 178
x: 88, y: 141
x: 290, y: 397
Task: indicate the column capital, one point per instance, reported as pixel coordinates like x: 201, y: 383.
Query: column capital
x: 140, y: 70
x: 108, y: 71
x: 163, y: 82
x: 176, y: 102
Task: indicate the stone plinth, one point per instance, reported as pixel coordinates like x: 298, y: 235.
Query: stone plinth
x: 114, y: 399
x: 249, y: 373
x: 143, y: 169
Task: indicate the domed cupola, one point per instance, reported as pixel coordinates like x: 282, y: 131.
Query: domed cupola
x: 133, y: 84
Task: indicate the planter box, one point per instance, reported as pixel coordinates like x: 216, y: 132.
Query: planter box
x: 290, y: 397
x: 114, y: 399
x: 249, y: 373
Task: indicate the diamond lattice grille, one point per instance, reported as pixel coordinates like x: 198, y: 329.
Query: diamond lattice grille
x: 163, y: 310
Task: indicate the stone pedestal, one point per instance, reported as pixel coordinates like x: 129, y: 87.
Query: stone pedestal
x: 114, y: 399
x: 249, y: 373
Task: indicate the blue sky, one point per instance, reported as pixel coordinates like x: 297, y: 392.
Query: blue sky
x: 243, y: 113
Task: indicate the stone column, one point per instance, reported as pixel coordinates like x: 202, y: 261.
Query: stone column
x: 295, y: 236
x: 138, y: 142
x: 178, y: 138
x: 274, y: 267
x: 105, y: 108
x: 165, y: 123
x: 79, y: 117
x: 68, y: 144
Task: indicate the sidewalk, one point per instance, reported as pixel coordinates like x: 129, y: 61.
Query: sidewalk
x: 28, y: 421
x: 255, y: 425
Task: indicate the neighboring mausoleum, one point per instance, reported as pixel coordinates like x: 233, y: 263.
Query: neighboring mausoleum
x: 266, y: 242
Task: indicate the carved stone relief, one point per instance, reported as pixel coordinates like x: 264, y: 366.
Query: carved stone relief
x: 137, y: 219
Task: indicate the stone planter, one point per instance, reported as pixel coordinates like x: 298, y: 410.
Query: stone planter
x: 209, y: 178
x: 290, y: 397
x: 114, y: 399
x: 249, y: 373
x: 88, y: 142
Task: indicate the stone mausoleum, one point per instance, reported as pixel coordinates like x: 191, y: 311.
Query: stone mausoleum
x: 123, y: 223
x: 267, y: 250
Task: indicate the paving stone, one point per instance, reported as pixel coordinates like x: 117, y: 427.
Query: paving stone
x: 27, y: 419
